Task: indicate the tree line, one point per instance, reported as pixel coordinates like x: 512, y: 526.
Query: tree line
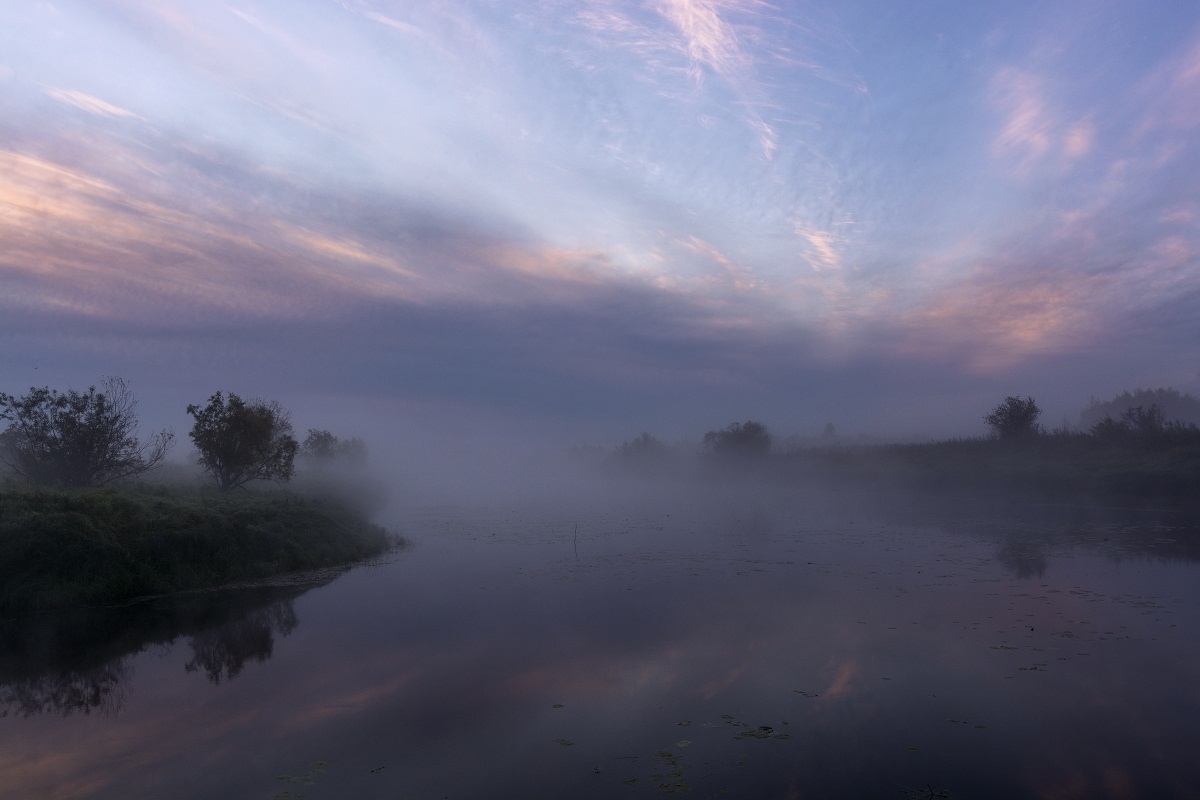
x: 1017, y: 417
x: 1014, y: 419
x: 90, y: 438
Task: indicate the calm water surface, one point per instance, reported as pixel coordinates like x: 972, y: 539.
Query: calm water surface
x: 730, y: 647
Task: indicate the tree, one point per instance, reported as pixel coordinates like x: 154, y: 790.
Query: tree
x: 740, y: 440
x: 78, y: 438
x: 241, y: 441
x: 1174, y: 405
x: 319, y: 445
x: 644, y: 453
x: 1143, y: 423
x: 323, y: 449
x: 1014, y: 419
x: 643, y: 446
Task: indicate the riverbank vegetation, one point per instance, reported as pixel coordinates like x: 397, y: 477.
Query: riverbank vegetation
x: 79, y: 527
x: 63, y: 547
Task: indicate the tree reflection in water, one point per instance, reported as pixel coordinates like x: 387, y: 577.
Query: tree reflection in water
x: 1027, y: 536
x: 80, y: 662
x: 224, y: 651
x: 100, y: 689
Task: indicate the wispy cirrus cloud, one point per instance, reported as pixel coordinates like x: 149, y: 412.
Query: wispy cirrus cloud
x: 85, y: 102
x: 722, y: 41
x: 707, y: 36
x: 1033, y: 130
x: 821, y: 248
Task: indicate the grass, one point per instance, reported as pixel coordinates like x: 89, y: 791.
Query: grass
x: 64, y: 548
x: 1159, y: 471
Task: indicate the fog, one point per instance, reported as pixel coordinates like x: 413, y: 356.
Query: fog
x: 670, y: 330
x: 614, y: 609
x: 425, y: 453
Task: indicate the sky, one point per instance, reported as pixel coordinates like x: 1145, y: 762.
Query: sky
x: 575, y: 221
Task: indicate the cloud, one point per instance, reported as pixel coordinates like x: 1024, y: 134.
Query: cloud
x: 1033, y: 130
x: 726, y: 40
x: 821, y: 247
x: 85, y: 102
x: 626, y: 205
x: 384, y: 295
x: 994, y: 324
x: 707, y: 37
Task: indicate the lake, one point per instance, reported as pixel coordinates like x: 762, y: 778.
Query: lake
x: 724, y: 643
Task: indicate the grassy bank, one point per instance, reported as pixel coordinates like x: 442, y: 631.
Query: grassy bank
x: 1161, y: 472
x: 67, y: 548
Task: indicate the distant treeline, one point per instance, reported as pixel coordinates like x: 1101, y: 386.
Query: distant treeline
x: 1131, y: 452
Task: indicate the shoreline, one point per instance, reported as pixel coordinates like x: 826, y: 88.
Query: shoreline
x: 71, y: 548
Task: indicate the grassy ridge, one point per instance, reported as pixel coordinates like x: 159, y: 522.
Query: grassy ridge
x: 65, y: 548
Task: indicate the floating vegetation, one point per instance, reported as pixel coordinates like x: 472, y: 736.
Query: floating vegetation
x: 762, y: 732
x: 671, y: 782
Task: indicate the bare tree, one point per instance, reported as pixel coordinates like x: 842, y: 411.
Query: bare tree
x: 78, y: 438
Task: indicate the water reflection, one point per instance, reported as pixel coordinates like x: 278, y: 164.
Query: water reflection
x: 222, y: 652
x: 1025, y: 558
x: 639, y: 651
x: 99, y: 689
x: 80, y: 662
x: 1027, y: 536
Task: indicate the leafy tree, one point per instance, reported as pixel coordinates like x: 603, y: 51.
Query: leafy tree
x: 1175, y: 406
x: 1143, y: 423
x: 319, y: 445
x: 241, y: 441
x: 323, y: 448
x: 739, y: 440
x: 78, y: 438
x: 1015, y: 418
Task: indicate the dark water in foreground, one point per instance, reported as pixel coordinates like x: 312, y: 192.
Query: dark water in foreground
x: 725, y: 648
